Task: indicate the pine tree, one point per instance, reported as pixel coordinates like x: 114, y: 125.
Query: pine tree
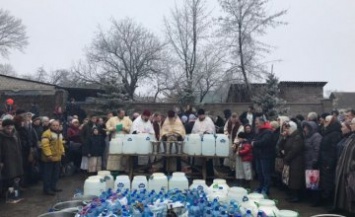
x: 115, y: 97
x: 269, y: 98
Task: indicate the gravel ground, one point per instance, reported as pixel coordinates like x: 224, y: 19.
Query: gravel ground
x: 35, y: 203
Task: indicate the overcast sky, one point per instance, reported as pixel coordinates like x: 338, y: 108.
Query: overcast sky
x: 318, y: 44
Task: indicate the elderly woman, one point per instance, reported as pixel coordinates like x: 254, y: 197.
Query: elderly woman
x: 345, y: 175
x: 293, y: 146
x: 328, y: 157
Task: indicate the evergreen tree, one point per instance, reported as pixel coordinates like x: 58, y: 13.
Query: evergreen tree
x: 269, y: 98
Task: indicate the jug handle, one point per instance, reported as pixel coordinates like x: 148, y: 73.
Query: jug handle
x: 257, y: 204
x: 276, y: 202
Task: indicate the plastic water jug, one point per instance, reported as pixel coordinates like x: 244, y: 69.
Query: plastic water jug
x: 200, y: 185
x: 139, y: 183
x: 178, y: 181
x: 237, y: 194
x: 288, y: 213
x: 193, y: 144
x: 256, y: 197
x: 122, y: 182
x: 208, y: 144
x: 143, y: 143
x: 268, y: 207
x: 219, y: 185
x: 157, y: 181
x: 116, y: 144
x: 94, y: 185
x: 248, y: 204
x: 110, y: 182
x: 222, y: 145
x: 130, y: 144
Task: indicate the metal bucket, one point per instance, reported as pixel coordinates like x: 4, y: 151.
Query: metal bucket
x: 167, y: 147
x: 58, y: 214
x: 85, y: 197
x: 155, y: 146
x: 179, y: 147
x: 69, y: 205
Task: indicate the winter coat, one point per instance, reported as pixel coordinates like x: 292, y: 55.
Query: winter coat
x: 95, y: 146
x: 311, y: 145
x: 263, y: 143
x: 73, y: 134
x: 10, y: 155
x: 328, y: 157
x: 39, y: 130
x: 346, y: 166
x: 52, y: 146
x: 246, y: 152
x: 293, y: 146
x: 341, y: 145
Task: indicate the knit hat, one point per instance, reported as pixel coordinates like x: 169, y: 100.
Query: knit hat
x: 242, y: 135
x: 10, y: 101
x: 74, y: 120
x: 171, y: 114
x: 201, y: 112
x: 184, y: 118
x: 293, y: 127
x: 35, y: 118
x: 7, y: 122
x: 5, y: 117
x: 146, y: 113
x: 192, y: 117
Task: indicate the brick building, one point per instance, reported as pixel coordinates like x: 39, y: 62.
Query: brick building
x: 27, y: 92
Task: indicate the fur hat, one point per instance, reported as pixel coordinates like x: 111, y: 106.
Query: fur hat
x: 7, y: 122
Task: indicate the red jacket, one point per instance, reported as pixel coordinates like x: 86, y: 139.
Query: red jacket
x: 246, y: 152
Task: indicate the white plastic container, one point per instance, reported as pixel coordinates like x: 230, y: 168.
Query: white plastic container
x: 122, y: 182
x: 110, y: 182
x: 116, y: 144
x: 130, y: 144
x: 94, y: 185
x: 143, y: 143
x: 220, y: 196
x: 200, y: 185
x: 269, y: 207
x: 237, y: 194
x: 222, y: 145
x: 157, y: 181
x: 255, y: 197
x: 219, y: 185
x: 208, y: 145
x: 179, y: 181
x: 193, y: 144
x: 248, y: 204
x: 288, y: 213
x: 139, y: 183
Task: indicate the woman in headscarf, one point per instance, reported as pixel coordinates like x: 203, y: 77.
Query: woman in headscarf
x: 293, y: 146
x: 328, y: 157
x: 232, y: 128
x: 345, y: 176
x: 311, y: 152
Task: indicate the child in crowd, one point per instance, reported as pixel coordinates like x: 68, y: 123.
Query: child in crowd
x: 244, y: 150
x: 96, y: 148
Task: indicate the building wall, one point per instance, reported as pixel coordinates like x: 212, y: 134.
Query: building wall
x: 301, y: 94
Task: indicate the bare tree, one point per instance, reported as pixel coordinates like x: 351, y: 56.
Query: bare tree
x: 185, y: 29
x: 12, y: 33
x: 127, y: 53
x: 244, y: 22
x: 7, y: 69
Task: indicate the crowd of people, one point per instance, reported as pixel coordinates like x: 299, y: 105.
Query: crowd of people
x: 308, y: 157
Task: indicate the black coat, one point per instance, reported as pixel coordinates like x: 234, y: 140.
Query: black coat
x: 189, y: 126
x: 11, y: 155
x: 263, y: 145
x: 95, y: 146
x: 312, y: 145
x: 293, y: 146
x: 328, y: 157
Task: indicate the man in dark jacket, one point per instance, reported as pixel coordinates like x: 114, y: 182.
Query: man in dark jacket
x: 264, y: 154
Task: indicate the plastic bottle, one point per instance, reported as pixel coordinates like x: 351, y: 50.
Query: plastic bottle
x: 248, y: 214
x: 216, y: 211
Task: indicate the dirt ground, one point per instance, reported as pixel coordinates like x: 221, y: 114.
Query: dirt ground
x: 35, y: 203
